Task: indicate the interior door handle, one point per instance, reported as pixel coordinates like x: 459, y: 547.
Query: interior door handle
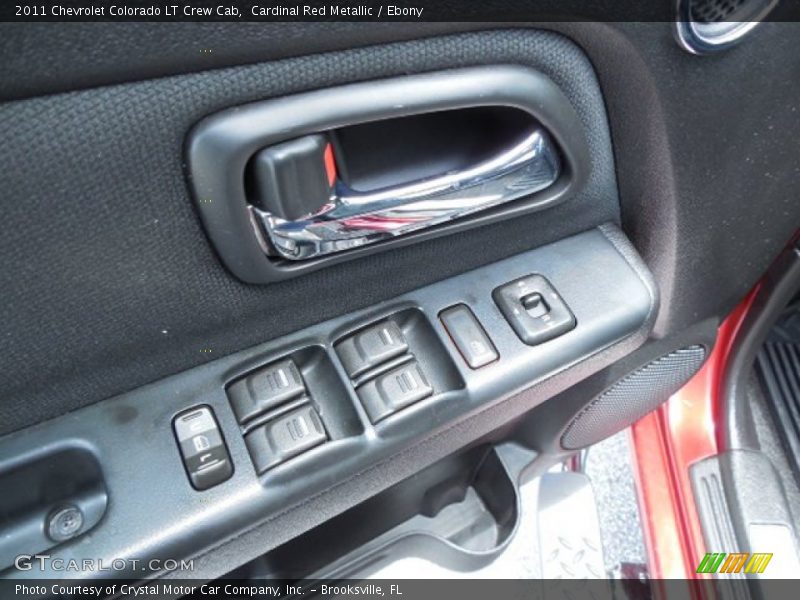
x: 351, y: 218
x: 419, y: 156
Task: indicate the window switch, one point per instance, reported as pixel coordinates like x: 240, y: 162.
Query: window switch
x: 202, y: 448
x: 285, y: 437
x: 370, y: 347
x: 394, y: 390
x: 534, y: 309
x: 265, y: 388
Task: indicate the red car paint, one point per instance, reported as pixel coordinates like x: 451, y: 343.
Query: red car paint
x: 665, y: 443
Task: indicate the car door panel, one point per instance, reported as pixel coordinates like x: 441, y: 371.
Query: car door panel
x: 120, y: 316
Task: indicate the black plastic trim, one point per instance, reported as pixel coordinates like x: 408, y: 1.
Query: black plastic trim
x: 738, y: 491
x: 777, y: 288
x: 614, y: 314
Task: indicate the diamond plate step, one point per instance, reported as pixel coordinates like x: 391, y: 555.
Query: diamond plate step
x: 569, y: 531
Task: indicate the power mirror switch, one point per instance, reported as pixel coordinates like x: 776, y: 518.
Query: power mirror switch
x: 534, y: 309
x: 394, y: 390
x: 535, y: 305
x: 370, y: 347
x: 266, y: 388
x: 285, y: 437
x: 202, y: 448
x: 468, y: 336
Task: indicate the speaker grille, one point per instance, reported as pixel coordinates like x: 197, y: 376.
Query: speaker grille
x: 704, y: 26
x: 632, y: 397
x: 713, y: 11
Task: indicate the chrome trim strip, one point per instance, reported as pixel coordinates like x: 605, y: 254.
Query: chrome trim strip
x: 352, y: 219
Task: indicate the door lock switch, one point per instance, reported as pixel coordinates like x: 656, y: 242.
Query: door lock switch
x: 394, y: 390
x: 202, y: 448
x: 265, y: 389
x: 284, y: 437
x: 468, y: 336
x: 534, y: 309
x: 370, y: 347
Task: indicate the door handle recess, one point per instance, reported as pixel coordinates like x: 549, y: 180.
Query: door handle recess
x: 351, y: 218
x: 545, y: 162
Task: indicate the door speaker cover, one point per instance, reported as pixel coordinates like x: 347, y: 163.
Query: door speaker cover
x: 632, y: 397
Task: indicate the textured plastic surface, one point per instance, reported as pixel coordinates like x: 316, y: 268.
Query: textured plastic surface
x: 665, y: 126
x: 40, y: 484
x: 613, y: 316
x: 152, y: 298
x: 665, y: 141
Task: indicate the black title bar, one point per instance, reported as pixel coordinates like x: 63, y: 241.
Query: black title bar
x: 355, y: 10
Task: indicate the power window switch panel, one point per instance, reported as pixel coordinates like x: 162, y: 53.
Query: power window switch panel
x: 468, y: 336
x: 202, y: 448
x: 534, y: 309
x: 392, y: 391
x: 370, y: 347
x: 265, y: 389
x: 285, y: 437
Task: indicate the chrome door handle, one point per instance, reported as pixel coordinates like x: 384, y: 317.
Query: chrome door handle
x: 524, y: 149
x: 352, y: 219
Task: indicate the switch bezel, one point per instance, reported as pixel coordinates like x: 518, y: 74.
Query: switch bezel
x: 614, y: 315
x: 556, y: 320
